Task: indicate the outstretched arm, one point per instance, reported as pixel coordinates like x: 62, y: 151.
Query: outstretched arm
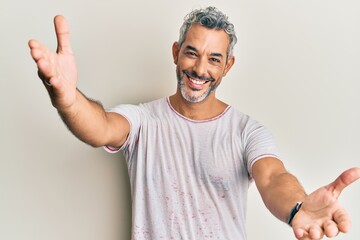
x: 320, y: 214
x: 279, y: 189
x: 84, y: 117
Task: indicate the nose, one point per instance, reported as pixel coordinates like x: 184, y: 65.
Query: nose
x: 200, y: 67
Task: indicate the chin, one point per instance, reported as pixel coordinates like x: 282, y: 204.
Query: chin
x: 195, y: 99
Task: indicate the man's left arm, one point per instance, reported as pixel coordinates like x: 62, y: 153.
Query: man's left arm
x: 279, y: 189
x: 320, y: 213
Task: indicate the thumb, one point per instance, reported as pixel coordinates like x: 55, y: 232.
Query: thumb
x: 62, y: 35
x: 345, y: 179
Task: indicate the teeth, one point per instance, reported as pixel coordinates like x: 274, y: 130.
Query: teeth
x: 198, y: 82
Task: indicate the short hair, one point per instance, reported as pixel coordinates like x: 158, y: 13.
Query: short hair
x: 210, y: 18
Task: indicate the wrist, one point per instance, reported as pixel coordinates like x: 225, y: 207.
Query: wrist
x: 70, y: 105
x: 293, y: 212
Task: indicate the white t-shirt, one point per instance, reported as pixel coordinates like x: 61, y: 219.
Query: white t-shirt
x: 189, y: 179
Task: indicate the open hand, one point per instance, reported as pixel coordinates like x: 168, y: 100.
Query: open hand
x: 321, y: 213
x: 57, y: 70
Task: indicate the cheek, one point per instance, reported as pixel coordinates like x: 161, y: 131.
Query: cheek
x: 179, y: 74
x: 178, y: 71
x: 186, y: 62
x: 217, y: 71
x: 217, y: 75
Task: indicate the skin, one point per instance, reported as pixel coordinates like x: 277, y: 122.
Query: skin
x: 59, y: 69
x: 203, y: 55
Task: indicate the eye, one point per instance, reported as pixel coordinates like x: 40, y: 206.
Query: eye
x: 191, y: 54
x: 216, y: 60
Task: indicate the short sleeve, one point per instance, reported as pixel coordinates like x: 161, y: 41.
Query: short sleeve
x: 259, y: 143
x: 133, y: 114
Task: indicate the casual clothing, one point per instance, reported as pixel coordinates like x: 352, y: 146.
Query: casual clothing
x: 189, y: 179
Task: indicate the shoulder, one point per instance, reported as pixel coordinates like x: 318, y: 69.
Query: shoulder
x: 247, y: 127
x: 155, y: 104
x: 240, y: 119
x: 140, y: 108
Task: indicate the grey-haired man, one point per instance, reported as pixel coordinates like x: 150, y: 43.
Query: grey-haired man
x: 191, y: 157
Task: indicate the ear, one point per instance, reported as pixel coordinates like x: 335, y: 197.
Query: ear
x: 175, y: 52
x: 228, y: 65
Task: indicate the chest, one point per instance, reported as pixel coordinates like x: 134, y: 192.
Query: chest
x: 205, y: 156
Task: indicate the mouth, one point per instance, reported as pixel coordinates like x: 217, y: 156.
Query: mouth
x: 197, y: 81
x: 196, y: 84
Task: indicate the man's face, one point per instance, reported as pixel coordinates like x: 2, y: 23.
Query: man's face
x: 201, y: 62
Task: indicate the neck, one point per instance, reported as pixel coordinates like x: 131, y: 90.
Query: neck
x: 207, y: 109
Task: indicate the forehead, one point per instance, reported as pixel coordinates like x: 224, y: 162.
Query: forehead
x: 205, y: 39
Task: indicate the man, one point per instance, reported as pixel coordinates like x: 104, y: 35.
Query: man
x: 191, y: 157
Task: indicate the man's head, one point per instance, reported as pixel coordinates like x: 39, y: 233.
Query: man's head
x: 203, y: 55
x: 210, y: 18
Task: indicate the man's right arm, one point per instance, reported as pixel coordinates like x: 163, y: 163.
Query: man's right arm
x: 86, y: 118
x: 89, y: 122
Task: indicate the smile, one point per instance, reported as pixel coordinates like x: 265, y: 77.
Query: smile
x: 197, y: 82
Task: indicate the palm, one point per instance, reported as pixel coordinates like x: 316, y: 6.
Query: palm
x: 59, y: 69
x: 321, y: 213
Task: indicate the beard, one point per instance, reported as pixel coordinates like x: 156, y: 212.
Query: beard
x: 193, y: 97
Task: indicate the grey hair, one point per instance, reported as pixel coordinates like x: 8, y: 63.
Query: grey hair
x: 211, y: 18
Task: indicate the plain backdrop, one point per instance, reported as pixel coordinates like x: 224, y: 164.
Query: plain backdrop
x: 296, y: 71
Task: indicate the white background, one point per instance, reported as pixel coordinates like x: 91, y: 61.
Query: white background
x: 296, y: 71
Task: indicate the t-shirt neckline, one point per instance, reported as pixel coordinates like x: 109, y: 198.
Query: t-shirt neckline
x: 196, y: 121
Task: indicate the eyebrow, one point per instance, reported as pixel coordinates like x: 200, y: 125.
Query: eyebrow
x: 195, y: 50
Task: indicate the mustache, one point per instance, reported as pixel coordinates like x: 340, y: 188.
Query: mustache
x: 194, y: 75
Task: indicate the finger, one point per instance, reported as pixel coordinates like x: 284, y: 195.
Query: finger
x: 62, y: 35
x: 300, y: 233
x: 45, y: 66
x: 36, y: 50
x: 46, y: 82
x: 344, y: 180
x: 331, y: 229
x: 316, y: 232
x: 342, y: 220
x: 43, y: 58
